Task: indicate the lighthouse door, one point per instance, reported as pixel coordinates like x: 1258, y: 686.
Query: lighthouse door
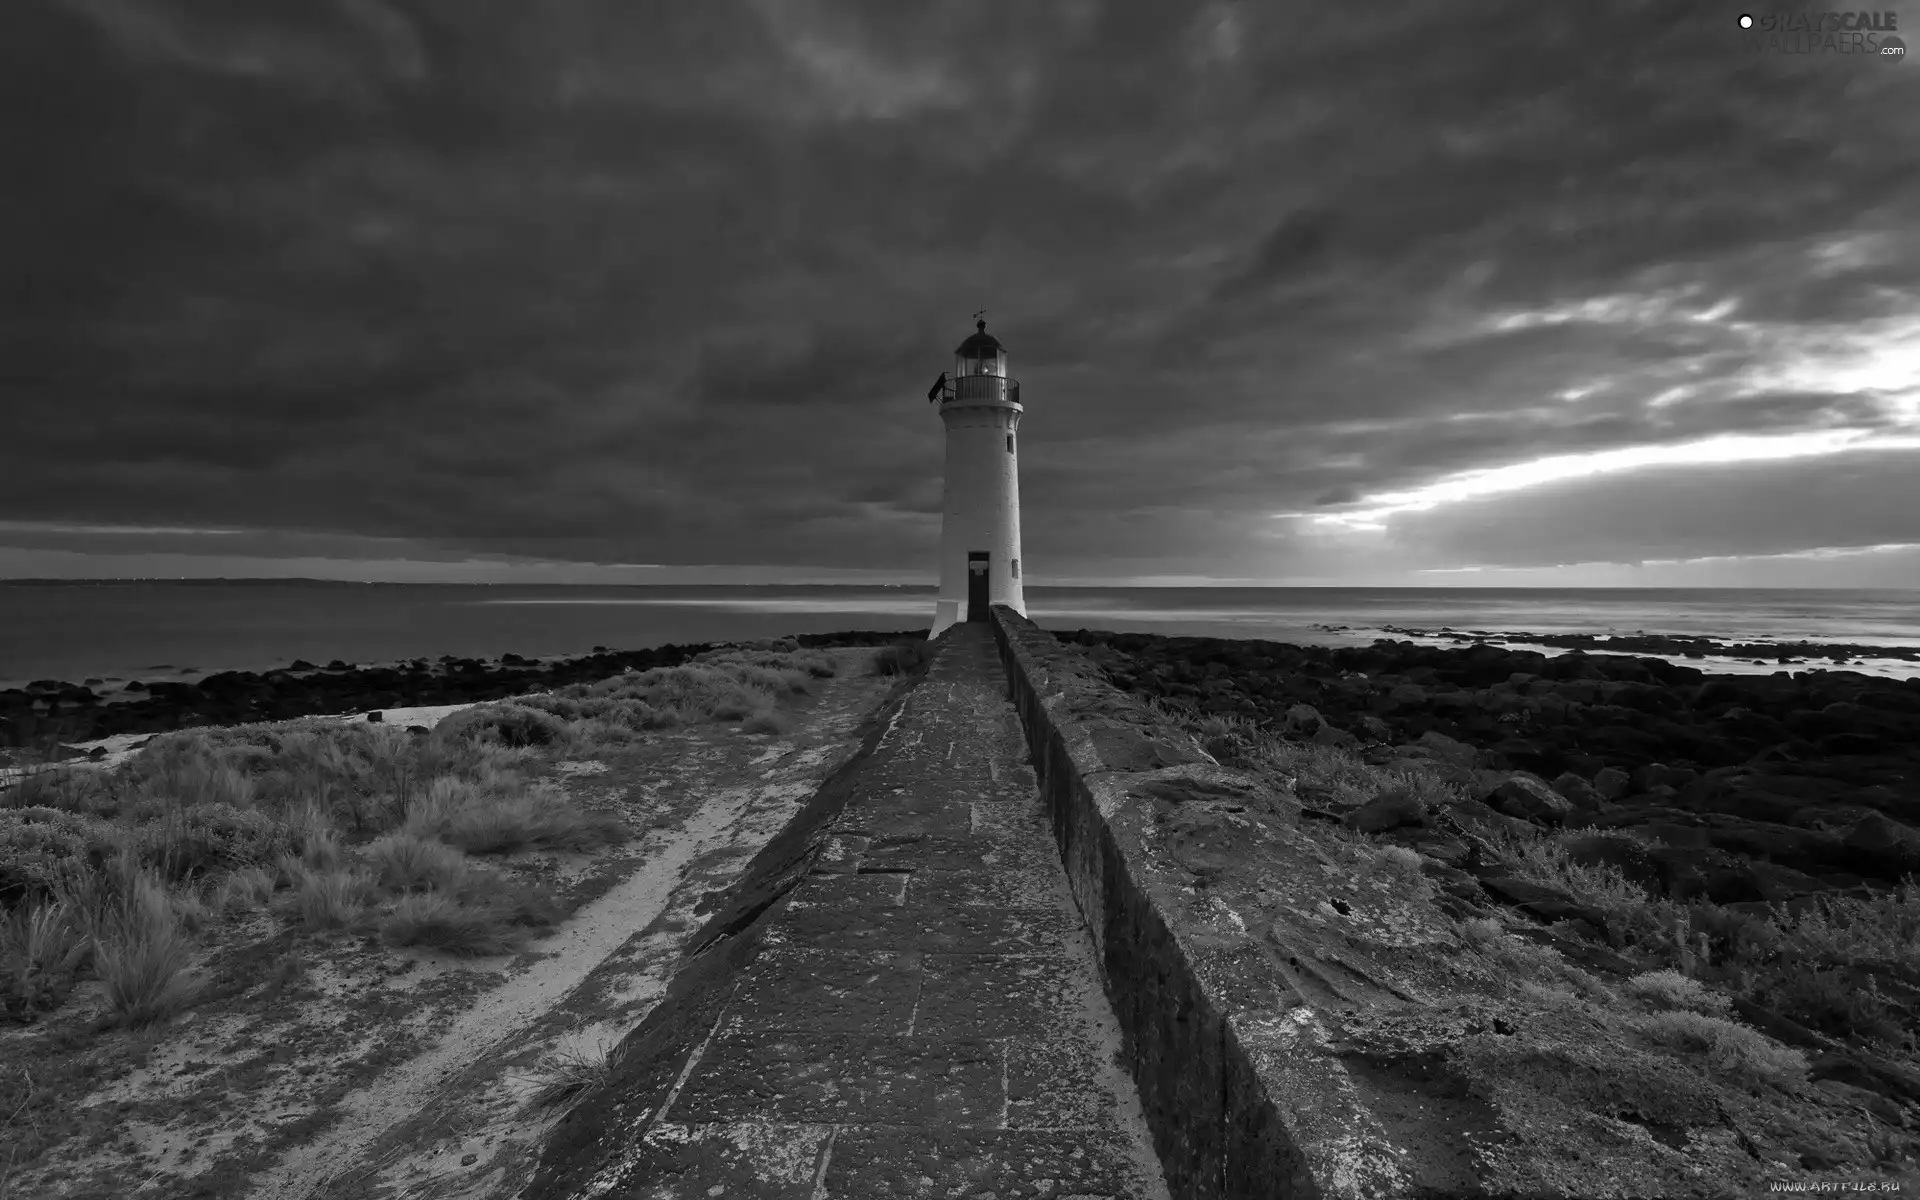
x: 977, y: 585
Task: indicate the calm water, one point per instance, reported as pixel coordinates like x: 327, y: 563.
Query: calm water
x: 155, y: 630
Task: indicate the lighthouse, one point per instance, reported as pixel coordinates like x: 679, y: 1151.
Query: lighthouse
x: 980, y: 530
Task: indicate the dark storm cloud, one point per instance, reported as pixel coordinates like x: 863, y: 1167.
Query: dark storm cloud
x: 667, y: 284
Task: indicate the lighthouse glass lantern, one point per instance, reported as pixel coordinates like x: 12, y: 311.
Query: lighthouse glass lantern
x: 981, y: 355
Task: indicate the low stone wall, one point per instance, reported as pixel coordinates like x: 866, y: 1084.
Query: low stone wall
x: 1244, y: 1097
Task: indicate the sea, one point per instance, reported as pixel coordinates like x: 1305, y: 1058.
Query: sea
x: 183, y: 629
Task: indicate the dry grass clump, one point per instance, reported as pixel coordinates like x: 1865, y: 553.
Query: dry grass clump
x: 332, y: 825
x: 407, y: 862
x: 326, y: 898
x: 1482, y: 931
x: 483, y: 915
x: 569, y: 1074
x: 479, y: 820
x: 1400, y: 860
x: 766, y: 720
x: 1732, y: 1050
x: 249, y: 887
x: 510, y: 723
x: 1668, y: 988
x: 143, y: 957
x: 729, y: 684
x: 41, y: 847
x: 1884, y: 928
x: 43, y: 946
x: 1315, y: 773
x: 908, y: 656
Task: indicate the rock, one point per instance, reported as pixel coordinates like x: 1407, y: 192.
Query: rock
x: 1529, y: 798
x: 1540, y: 901
x: 1453, y: 881
x: 418, y: 730
x: 300, y: 664
x: 1442, y: 746
x: 1893, y: 1080
x: 1478, y: 813
x: 1372, y: 728
x: 1804, y: 849
x: 1859, y: 1097
x: 1581, y: 794
x: 1407, y: 694
x: 1612, y: 783
x: 1882, y: 846
x: 1327, y: 735
x: 1302, y: 720
x: 1433, y: 843
x: 1123, y: 747
x: 1389, y: 810
x: 1649, y: 776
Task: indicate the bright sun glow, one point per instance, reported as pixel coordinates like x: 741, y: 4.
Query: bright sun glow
x: 1878, y: 359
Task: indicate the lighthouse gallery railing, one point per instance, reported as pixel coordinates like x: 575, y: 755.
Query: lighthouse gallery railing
x: 980, y: 389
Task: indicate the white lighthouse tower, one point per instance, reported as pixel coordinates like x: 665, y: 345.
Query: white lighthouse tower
x: 980, y: 535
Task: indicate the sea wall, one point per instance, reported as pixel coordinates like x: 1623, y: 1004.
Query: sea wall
x: 1243, y: 1094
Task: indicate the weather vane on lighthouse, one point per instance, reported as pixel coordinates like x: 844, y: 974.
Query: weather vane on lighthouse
x: 980, y: 526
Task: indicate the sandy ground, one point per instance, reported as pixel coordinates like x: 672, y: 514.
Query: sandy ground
x: 121, y: 746
x: 390, y: 1073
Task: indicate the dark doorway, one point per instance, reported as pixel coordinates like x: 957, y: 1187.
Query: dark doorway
x: 977, y: 585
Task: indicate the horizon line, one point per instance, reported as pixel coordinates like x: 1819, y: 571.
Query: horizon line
x: 934, y: 585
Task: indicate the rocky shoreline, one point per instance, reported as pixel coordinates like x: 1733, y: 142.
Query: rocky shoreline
x: 50, y: 713
x: 1676, y: 645
x: 1741, y: 789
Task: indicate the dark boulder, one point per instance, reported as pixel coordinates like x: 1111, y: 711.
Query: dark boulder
x: 1884, y: 847
x: 1579, y: 793
x: 1391, y: 809
x: 1530, y: 798
x: 1612, y: 783
x: 1539, y: 901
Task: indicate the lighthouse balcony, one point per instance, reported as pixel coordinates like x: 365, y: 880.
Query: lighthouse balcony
x: 981, y: 389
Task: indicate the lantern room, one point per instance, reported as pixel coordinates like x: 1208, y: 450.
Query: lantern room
x: 980, y: 354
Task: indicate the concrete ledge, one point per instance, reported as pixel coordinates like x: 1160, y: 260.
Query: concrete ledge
x: 1243, y: 1094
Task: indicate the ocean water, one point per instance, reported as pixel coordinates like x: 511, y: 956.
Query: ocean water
x: 154, y: 630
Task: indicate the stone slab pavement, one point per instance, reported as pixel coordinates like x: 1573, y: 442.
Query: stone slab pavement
x: 924, y: 1016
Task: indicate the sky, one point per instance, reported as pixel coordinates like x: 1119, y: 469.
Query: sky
x: 600, y: 291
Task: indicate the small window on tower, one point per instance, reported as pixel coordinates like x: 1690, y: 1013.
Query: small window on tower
x: 1016, y: 568
x: 1009, y: 443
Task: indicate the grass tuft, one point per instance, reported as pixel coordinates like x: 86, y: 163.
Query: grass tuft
x: 483, y: 918
x: 143, y: 960
x: 249, y: 887
x: 327, y: 899
x: 540, y: 818
x: 1670, y: 989
x: 568, y: 1075
x: 406, y: 862
x: 42, y: 947
x: 909, y: 656
x: 766, y: 720
x: 1735, y: 1051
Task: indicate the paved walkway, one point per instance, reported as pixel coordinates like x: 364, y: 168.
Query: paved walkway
x: 924, y: 1018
